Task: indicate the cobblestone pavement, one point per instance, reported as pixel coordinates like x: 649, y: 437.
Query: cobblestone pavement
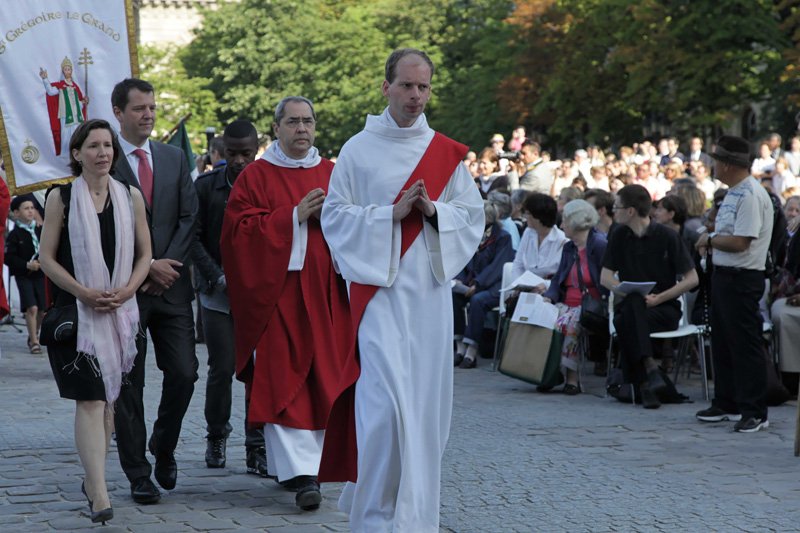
x: 517, y: 461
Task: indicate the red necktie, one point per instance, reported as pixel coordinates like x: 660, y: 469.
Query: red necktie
x: 145, y: 175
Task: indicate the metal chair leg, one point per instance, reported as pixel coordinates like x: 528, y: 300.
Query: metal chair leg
x: 701, y: 349
x: 499, y: 336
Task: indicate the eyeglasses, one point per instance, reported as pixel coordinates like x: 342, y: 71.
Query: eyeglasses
x: 616, y: 207
x: 294, y: 123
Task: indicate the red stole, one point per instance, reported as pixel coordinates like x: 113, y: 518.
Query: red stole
x: 340, y: 454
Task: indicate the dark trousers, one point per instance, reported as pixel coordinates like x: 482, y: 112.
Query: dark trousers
x: 219, y: 335
x: 740, y: 366
x: 171, y: 327
x: 634, y: 322
x: 479, y: 304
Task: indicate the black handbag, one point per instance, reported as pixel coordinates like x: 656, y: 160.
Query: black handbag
x: 59, y: 325
x: 594, y: 312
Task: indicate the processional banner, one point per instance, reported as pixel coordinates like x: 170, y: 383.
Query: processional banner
x: 59, y: 61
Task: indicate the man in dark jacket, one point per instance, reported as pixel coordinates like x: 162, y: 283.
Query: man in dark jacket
x: 240, y: 144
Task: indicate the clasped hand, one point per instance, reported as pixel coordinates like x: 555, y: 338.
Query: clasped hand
x: 414, y: 196
x: 105, y: 301
x: 310, y: 205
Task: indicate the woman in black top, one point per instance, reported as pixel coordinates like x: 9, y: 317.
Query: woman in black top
x: 96, y: 249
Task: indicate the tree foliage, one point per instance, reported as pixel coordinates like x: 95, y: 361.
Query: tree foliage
x: 256, y: 51
x: 178, y: 95
x: 614, y: 67
x: 574, y: 71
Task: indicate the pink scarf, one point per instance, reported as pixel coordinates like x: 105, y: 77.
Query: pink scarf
x: 108, y: 337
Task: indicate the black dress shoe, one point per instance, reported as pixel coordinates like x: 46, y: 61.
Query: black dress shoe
x: 308, y: 495
x: 144, y: 491
x: 457, y: 358
x: 215, y: 452
x: 296, y: 483
x: 257, y: 462
x: 166, y: 470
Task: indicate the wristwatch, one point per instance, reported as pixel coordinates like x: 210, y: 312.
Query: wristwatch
x: 711, y: 236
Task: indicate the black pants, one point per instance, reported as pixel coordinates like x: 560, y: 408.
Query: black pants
x: 634, y: 322
x: 219, y: 335
x: 740, y: 366
x: 171, y: 327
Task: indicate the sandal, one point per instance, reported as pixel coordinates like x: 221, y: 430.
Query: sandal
x: 34, y: 347
x: 571, y: 390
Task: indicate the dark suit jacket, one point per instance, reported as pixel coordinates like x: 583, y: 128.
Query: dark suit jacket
x: 212, y: 195
x: 172, y: 216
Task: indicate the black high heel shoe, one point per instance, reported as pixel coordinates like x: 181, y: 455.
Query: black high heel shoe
x: 100, y: 516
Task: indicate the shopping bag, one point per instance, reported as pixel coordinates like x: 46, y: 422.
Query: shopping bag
x: 532, y: 354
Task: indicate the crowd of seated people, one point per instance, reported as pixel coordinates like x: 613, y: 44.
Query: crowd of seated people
x: 673, y: 204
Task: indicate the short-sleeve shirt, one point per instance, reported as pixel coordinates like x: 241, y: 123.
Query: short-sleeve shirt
x: 659, y: 255
x: 746, y: 212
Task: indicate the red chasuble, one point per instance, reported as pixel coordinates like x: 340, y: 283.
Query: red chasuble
x: 297, y: 322
x: 340, y: 452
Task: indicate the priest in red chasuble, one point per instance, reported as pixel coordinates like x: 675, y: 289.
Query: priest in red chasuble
x: 291, y: 313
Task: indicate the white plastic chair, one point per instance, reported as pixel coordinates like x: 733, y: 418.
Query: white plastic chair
x: 501, y: 310
x: 684, y: 332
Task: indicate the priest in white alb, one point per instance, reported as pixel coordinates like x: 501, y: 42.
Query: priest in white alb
x: 402, y: 218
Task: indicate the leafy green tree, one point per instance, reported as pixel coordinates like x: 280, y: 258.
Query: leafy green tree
x: 178, y: 94
x: 478, y: 50
x: 614, y: 67
x: 256, y: 52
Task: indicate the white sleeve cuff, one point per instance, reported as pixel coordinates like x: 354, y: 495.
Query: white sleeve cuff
x: 299, y: 243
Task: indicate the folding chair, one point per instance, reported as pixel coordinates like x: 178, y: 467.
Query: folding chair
x: 684, y: 332
x: 501, y: 312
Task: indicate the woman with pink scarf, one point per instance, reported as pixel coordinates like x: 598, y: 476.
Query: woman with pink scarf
x: 95, y: 248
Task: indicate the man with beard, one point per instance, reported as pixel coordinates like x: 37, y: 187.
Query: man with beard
x: 239, y: 145
x: 290, y: 306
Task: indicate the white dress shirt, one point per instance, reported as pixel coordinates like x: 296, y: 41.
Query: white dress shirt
x: 133, y: 160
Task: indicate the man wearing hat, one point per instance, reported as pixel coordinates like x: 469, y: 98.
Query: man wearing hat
x: 738, y: 247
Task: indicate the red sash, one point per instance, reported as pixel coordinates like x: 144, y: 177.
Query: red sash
x: 339, y: 456
x: 434, y: 168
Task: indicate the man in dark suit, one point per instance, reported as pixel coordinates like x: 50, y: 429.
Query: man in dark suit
x: 165, y: 298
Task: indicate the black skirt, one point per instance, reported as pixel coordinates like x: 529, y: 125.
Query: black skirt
x: 77, y: 375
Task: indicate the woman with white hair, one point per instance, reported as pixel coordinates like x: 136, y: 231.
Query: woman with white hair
x: 583, y: 251
x: 479, y: 286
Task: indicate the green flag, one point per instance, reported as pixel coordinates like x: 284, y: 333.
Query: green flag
x: 181, y: 140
